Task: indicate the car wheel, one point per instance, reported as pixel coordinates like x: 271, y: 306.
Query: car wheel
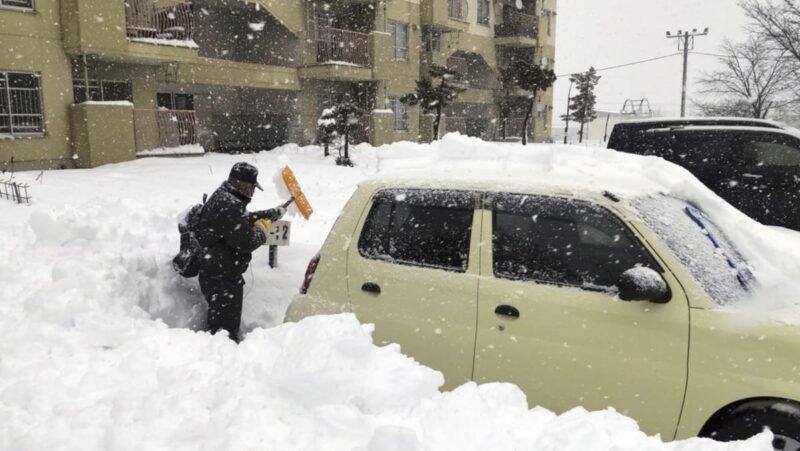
x: 785, y: 425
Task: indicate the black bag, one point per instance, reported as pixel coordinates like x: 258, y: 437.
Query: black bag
x: 187, y: 262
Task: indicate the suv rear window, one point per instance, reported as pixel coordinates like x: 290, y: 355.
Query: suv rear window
x: 429, y: 228
x: 563, y: 242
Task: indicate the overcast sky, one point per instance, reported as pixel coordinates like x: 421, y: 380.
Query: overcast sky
x: 605, y: 33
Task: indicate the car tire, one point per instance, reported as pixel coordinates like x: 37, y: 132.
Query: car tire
x: 784, y: 424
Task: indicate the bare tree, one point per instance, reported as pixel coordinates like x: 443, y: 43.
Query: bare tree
x: 755, y: 79
x: 778, y: 20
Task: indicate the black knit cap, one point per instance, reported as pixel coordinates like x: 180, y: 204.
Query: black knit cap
x: 245, y: 172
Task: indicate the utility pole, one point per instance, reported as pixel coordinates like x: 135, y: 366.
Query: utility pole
x: 686, y: 40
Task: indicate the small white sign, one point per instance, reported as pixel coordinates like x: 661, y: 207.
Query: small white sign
x: 280, y: 233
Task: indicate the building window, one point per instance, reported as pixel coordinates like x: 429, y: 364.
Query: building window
x: 175, y: 101
x: 399, y: 32
x: 400, y: 111
x: 549, y: 23
x: 484, y: 8
x: 20, y: 103
x: 26, y: 4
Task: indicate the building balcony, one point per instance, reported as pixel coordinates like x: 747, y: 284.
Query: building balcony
x: 136, y: 31
x: 339, y: 54
x: 460, y: 66
x: 337, y: 46
x: 146, y: 20
x: 517, y: 29
x: 163, y: 128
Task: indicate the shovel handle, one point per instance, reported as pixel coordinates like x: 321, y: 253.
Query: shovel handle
x: 288, y: 202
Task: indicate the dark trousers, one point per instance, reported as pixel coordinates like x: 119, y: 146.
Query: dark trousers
x: 224, y: 296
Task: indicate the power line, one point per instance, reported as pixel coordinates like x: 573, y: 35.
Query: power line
x: 634, y: 63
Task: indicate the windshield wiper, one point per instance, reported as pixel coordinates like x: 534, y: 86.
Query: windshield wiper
x: 743, y: 275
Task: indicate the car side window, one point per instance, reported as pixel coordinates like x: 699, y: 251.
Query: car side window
x: 693, y: 148
x: 429, y: 228
x: 563, y: 242
x: 771, y: 152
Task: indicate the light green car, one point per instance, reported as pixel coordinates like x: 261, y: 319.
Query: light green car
x: 580, y: 299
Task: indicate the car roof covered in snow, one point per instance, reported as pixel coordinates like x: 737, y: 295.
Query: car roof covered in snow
x: 720, y: 121
x: 508, y: 185
x: 460, y: 162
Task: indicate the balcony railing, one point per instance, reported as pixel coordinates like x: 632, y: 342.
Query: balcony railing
x: 513, y: 128
x: 335, y: 45
x: 458, y: 65
x: 455, y: 124
x: 517, y: 24
x: 143, y: 19
x: 176, y: 127
x: 457, y: 9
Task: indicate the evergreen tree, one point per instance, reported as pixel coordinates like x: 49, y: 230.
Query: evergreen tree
x: 434, y: 93
x: 534, y: 79
x: 342, y: 120
x: 582, y: 105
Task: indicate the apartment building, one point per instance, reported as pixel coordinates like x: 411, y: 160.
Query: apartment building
x: 89, y: 82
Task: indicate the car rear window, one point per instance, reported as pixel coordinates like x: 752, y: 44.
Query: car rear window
x: 428, y: 228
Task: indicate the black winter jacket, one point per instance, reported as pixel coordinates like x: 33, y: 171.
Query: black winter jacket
x: 226, y: 233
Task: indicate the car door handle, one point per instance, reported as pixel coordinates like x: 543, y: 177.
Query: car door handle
x: 371, y: 287
x: 507, y: 310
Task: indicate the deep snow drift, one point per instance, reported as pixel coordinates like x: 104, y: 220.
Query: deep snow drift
x: 85, y: 271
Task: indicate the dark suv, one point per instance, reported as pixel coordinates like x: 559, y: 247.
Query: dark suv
x: 752, y: 164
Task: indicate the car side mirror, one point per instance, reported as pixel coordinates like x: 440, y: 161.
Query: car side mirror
x: 643, y: 284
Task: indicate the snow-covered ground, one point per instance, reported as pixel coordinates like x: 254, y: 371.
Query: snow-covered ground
x: 98, y: 348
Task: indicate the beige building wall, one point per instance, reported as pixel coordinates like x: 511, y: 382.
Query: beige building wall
x: 287, y: 82
x: 31, y: 42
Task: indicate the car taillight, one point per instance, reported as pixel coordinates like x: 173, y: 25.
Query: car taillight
x: 312, y: 268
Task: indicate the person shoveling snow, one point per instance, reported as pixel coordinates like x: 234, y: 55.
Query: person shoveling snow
x: 227, y: 234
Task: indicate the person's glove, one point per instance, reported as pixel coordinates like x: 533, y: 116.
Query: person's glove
x: 281, y: 211
x: 262, y: 227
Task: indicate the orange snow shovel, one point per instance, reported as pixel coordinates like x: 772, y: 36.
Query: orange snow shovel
x: 294, y: 189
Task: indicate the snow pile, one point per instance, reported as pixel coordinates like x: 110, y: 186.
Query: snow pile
x: 98, y: 351
x: 121, y: 383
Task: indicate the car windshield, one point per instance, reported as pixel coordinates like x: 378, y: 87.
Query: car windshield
x: 700, y: 245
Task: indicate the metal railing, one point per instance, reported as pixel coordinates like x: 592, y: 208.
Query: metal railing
x: 361, y: 132
x: 457, y: 9
x: 517, y: 24
x: 342, y: 46
x: 455, y: 124
x: 177, y: 127
x: 15, y: 191
x: 143, y: 19
x: 20, y: 105
x: 513, y: 128
x: 458, y: 65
